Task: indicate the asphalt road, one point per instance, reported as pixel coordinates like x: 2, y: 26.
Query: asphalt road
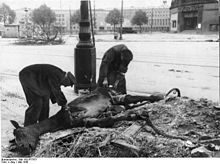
x: 157, y: 66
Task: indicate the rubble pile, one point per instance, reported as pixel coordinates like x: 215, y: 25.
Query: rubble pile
x: 195, y: 120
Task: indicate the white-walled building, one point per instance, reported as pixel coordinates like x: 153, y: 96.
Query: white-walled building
x: 158, y: 19
x: 63, y: 19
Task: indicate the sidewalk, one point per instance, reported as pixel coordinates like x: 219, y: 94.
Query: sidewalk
x: 160, y: 37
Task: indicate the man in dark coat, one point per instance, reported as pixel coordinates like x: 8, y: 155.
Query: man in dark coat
x: 40, y: 83
x: 113, y: 67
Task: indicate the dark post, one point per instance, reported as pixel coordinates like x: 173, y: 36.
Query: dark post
x: 152, y: 14
x: 85, y: 53
x: 121, y: 20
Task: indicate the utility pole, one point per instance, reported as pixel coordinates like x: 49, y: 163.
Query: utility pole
x: 94, y: 17
x: 121, y: 20
x: 61, y: 20
x: 152, y: 14
x: 26, y: 22
x: 70, y: 21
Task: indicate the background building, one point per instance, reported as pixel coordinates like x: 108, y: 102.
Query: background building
x: 101, y: 25
x: 158, y: 19
x: 23, y: 19
x: 1, y: 28
x: 201, y: 15
x: 63, y: 20
x: 11, y: 31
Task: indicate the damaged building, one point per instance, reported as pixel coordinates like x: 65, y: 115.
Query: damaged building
x: 199, y: 15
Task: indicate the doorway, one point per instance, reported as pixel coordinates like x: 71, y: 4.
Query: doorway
x: 190, y: 23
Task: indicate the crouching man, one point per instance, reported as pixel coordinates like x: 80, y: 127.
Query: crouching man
x: 41, y: 83
x: 113, y: 67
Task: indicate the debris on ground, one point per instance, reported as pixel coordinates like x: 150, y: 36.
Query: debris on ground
x: 198, y: 121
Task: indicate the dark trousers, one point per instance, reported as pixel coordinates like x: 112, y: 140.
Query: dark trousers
x: 121, y: 87
x: 38, y: 109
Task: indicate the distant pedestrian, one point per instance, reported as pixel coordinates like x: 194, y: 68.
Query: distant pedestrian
x: 41, y: 83
x: 113, y: 67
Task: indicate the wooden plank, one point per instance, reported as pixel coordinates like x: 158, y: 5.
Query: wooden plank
x: 130, y: 132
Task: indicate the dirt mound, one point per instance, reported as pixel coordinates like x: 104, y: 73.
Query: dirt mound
x: 196, y: 120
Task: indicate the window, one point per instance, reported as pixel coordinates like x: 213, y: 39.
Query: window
x: 213, y: 27
x: 174, y: 23
x: 101, y: 28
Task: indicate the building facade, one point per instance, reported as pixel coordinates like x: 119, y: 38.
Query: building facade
x: 63, y: 20
x: 11, y: 31
x: 158, y: 19
x: 200, y: 15
x: 23, y: 19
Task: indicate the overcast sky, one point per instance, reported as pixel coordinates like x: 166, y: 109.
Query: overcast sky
x: 75, y: 4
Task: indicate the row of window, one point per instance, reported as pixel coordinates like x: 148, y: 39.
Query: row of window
x: 60, y: 19
x: 160, y: 22
x: 63, y: 23
x: 59, y: 15
x: 158, y: 15
x: 156, y: 29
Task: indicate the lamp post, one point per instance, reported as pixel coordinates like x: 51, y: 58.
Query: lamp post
x: 26, y: 22
x: 121, y: 20
x: 85, y: 53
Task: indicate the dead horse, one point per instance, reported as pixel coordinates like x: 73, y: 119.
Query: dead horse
x: 85, y: 111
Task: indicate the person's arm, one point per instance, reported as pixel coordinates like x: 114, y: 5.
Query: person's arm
x: 52, y: 98
x: 103, y: 71
x: 56, y: 91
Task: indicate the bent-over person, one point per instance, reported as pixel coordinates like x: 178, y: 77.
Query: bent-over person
x: 113, y: 67
x: 41, y: 83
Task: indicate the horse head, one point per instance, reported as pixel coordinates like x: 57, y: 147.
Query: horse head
x: 26, y: 138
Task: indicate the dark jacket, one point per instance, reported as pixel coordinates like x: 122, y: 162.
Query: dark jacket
x: 111, y: 61
x: 44, y: 80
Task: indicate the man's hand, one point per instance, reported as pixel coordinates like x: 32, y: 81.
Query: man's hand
x: 64, y: 107
x: 116, y: 84
x: 105, y: 82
